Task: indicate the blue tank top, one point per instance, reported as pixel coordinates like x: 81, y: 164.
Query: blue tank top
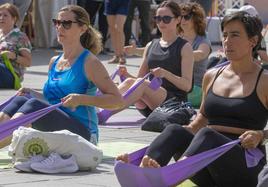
x: 72, y: 80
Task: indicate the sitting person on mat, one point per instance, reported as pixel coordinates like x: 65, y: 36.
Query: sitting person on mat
x: 230, y: 95
x: 169, y: 57
x: 15, y: 45
x: 73, y: 79
x: 193, y: 29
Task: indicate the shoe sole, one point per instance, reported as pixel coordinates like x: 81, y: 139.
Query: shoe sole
x: 28, y: 170
x: 69, y: 169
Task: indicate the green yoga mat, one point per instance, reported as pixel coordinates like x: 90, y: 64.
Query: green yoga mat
x: 112, y: 149
x: 5, y: 160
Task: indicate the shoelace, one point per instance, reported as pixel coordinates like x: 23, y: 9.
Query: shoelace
x: 36, y: 158
x: 51, y: 159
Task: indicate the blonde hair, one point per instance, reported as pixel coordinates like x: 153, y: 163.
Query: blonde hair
x: 91, y: 39
x: 13, y: 10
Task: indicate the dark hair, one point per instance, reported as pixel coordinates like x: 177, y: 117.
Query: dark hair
x: 173, y: 6
x: 91, y: 39
x: 13, y: 10
x: 252, y: 24
x: 199, y: 17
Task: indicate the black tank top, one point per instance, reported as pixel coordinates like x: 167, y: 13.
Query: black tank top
x: 247, y: 112
x: 168, y: 58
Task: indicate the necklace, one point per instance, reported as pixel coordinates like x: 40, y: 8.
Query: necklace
x: 64, y: 64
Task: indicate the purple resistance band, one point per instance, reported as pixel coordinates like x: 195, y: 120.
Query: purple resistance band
x: 155, y: 84
x: 131, y: 175
x: 7, y: 127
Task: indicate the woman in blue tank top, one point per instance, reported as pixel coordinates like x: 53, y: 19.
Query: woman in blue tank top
x: 73, y: 78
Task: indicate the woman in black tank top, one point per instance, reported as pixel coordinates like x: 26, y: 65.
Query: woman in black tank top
x: 235, y: 102
x: 169, y: 57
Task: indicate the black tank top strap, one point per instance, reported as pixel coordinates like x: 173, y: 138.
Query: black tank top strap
x: 220, y: 70
x: 257, y: 81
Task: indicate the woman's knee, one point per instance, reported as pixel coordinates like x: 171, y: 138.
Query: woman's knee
x: 175, y: 130
x: 15, y: 105
x: 32, y: 105
x: 207, y: 132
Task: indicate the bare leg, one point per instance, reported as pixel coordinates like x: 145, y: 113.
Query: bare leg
x: 143, y: 93
x: 120, y: 37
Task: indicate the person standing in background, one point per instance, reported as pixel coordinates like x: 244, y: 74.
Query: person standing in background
x: 116, y: 12
x: 143, y: 7
x: 94, y: 7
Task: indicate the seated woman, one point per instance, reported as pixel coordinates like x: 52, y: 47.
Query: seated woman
x: 230, y: 94
x: 169, y: 57
x: 73, y: 78
x: 193, y: 29
x: 15, y: 45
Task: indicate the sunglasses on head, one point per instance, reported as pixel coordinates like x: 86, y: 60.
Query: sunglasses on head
x: 67, y: 24
x: 165, y: 19
x: 187, y: 16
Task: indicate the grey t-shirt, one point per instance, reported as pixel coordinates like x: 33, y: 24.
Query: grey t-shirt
x: 201, y: 66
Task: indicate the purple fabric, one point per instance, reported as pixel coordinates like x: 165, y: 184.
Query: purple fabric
x: 130, y: 175
x: 7, y: 127
x: 156, y: 82
x: 120, y: 122
x: 253, y: 156
x: 104, y: 115
x: 135, y: 86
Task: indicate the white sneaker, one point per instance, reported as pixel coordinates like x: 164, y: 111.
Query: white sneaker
x: 26, y: 166
x: 56, y: 164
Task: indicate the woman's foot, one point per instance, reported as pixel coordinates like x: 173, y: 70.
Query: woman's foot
x: 114, y: 60
x: 122, y: 60
x: 123, y: 158
x: 148, y: 162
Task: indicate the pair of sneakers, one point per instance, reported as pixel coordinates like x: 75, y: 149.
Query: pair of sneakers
x: 55, y: 163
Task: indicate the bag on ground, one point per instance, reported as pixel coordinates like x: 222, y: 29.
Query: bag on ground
x: 27, y: 142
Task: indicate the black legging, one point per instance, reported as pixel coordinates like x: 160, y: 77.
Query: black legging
x: 53, y: 121
x: 229, y: 170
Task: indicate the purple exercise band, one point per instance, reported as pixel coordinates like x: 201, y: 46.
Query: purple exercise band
x: 131, y: 175
x: 7, y: 127
x: 155, y: 84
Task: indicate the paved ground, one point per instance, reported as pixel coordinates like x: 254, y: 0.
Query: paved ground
x: 125, y: 139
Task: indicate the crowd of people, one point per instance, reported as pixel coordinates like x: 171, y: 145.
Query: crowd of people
x: 226, y: 94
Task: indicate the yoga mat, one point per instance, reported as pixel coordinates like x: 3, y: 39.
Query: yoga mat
x: 113, y: 149
x: 5, y: 160
x: 121, y: 122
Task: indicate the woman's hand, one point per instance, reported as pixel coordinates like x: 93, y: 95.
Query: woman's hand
x: 251, y: 139
x: 10, y: 55
x: 24, y: 91
x: 71, y: 100
x: 158, y: 72
x: 130, y: 49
